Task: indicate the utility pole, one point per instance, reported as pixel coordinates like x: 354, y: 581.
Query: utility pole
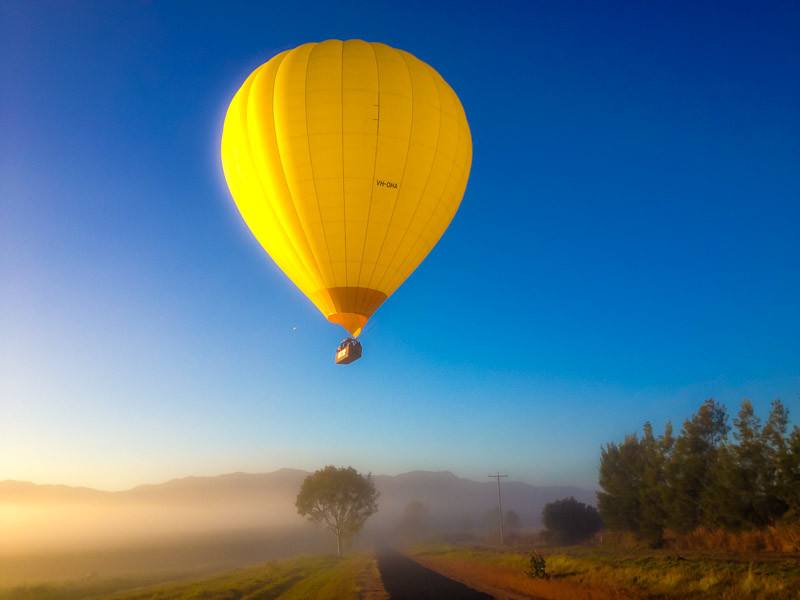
x: 498, y: 476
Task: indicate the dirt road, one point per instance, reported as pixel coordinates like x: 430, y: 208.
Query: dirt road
x: 405, y: 579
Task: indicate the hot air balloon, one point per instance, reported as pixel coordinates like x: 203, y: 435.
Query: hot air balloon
x: 347, y: 160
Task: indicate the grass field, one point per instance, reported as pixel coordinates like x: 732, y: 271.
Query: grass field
x: 319, y: 578
x: 614, y: 574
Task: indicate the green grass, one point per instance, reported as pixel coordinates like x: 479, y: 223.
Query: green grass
x: 651, y: 574
x: 319, y: 578
x: 67, y: 590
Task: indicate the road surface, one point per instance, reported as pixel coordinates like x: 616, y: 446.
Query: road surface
x: 405, y: 579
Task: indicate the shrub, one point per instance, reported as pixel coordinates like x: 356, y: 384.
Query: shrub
x: 569, y: 521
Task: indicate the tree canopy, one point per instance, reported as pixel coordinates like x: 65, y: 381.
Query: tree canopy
x: 339, y: 498
x: 569, y: 521
x: 707, y: 477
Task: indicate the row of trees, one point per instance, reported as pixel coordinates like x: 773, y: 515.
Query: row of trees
x: 704, y: 477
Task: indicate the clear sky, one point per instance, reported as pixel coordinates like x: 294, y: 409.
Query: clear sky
x: 628, y: 245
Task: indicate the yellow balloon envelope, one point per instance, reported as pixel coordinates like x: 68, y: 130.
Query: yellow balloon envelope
x: 347, y: 160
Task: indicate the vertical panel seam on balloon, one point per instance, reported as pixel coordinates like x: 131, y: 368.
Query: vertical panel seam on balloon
x: 464, y: 175
x: 304, y: 259
x: 447, y: 225
x: 344, y: 195
x: 306, y: 255
x: 439, y: 202
x: 297, y: 259
x: 427, y: 179
x: 403, y: 173
x: 374, y: 165
x: 288, y: 187
x: 433, y: 212
x: 311, y: 166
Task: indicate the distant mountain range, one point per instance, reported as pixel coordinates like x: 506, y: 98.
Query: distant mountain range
x: 445, y: 494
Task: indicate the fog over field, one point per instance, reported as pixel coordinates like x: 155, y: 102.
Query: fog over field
x: 207, y: 523
x: 59, y: 517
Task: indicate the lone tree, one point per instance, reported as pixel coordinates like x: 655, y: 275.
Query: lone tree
x: 340, y: 498
x: 570, y: 521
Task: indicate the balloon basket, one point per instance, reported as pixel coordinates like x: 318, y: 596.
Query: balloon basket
x: 348, y: 351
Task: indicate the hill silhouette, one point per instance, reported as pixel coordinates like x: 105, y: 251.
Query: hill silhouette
x: 442, y: 491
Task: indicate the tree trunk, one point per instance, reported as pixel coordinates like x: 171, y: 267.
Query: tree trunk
x: 338, y: 543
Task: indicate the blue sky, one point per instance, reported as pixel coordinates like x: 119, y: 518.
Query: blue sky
x: 628, y: 245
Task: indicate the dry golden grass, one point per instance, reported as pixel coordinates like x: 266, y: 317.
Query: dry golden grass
x: 605, y: 573
x: 780, y: 538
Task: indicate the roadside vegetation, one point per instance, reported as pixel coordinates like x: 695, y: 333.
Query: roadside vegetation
x: 602, y: 572
x: 568, y: 521
x: 711, y: 487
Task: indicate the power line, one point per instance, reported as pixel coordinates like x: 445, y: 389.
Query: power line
x: 498, y: 476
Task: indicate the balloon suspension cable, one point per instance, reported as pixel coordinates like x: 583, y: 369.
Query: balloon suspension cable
x: 369, y: 326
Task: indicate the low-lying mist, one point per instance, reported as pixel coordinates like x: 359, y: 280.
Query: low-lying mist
x: 52, y: 527
x: 84, y: 541
x: 205, y: 524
